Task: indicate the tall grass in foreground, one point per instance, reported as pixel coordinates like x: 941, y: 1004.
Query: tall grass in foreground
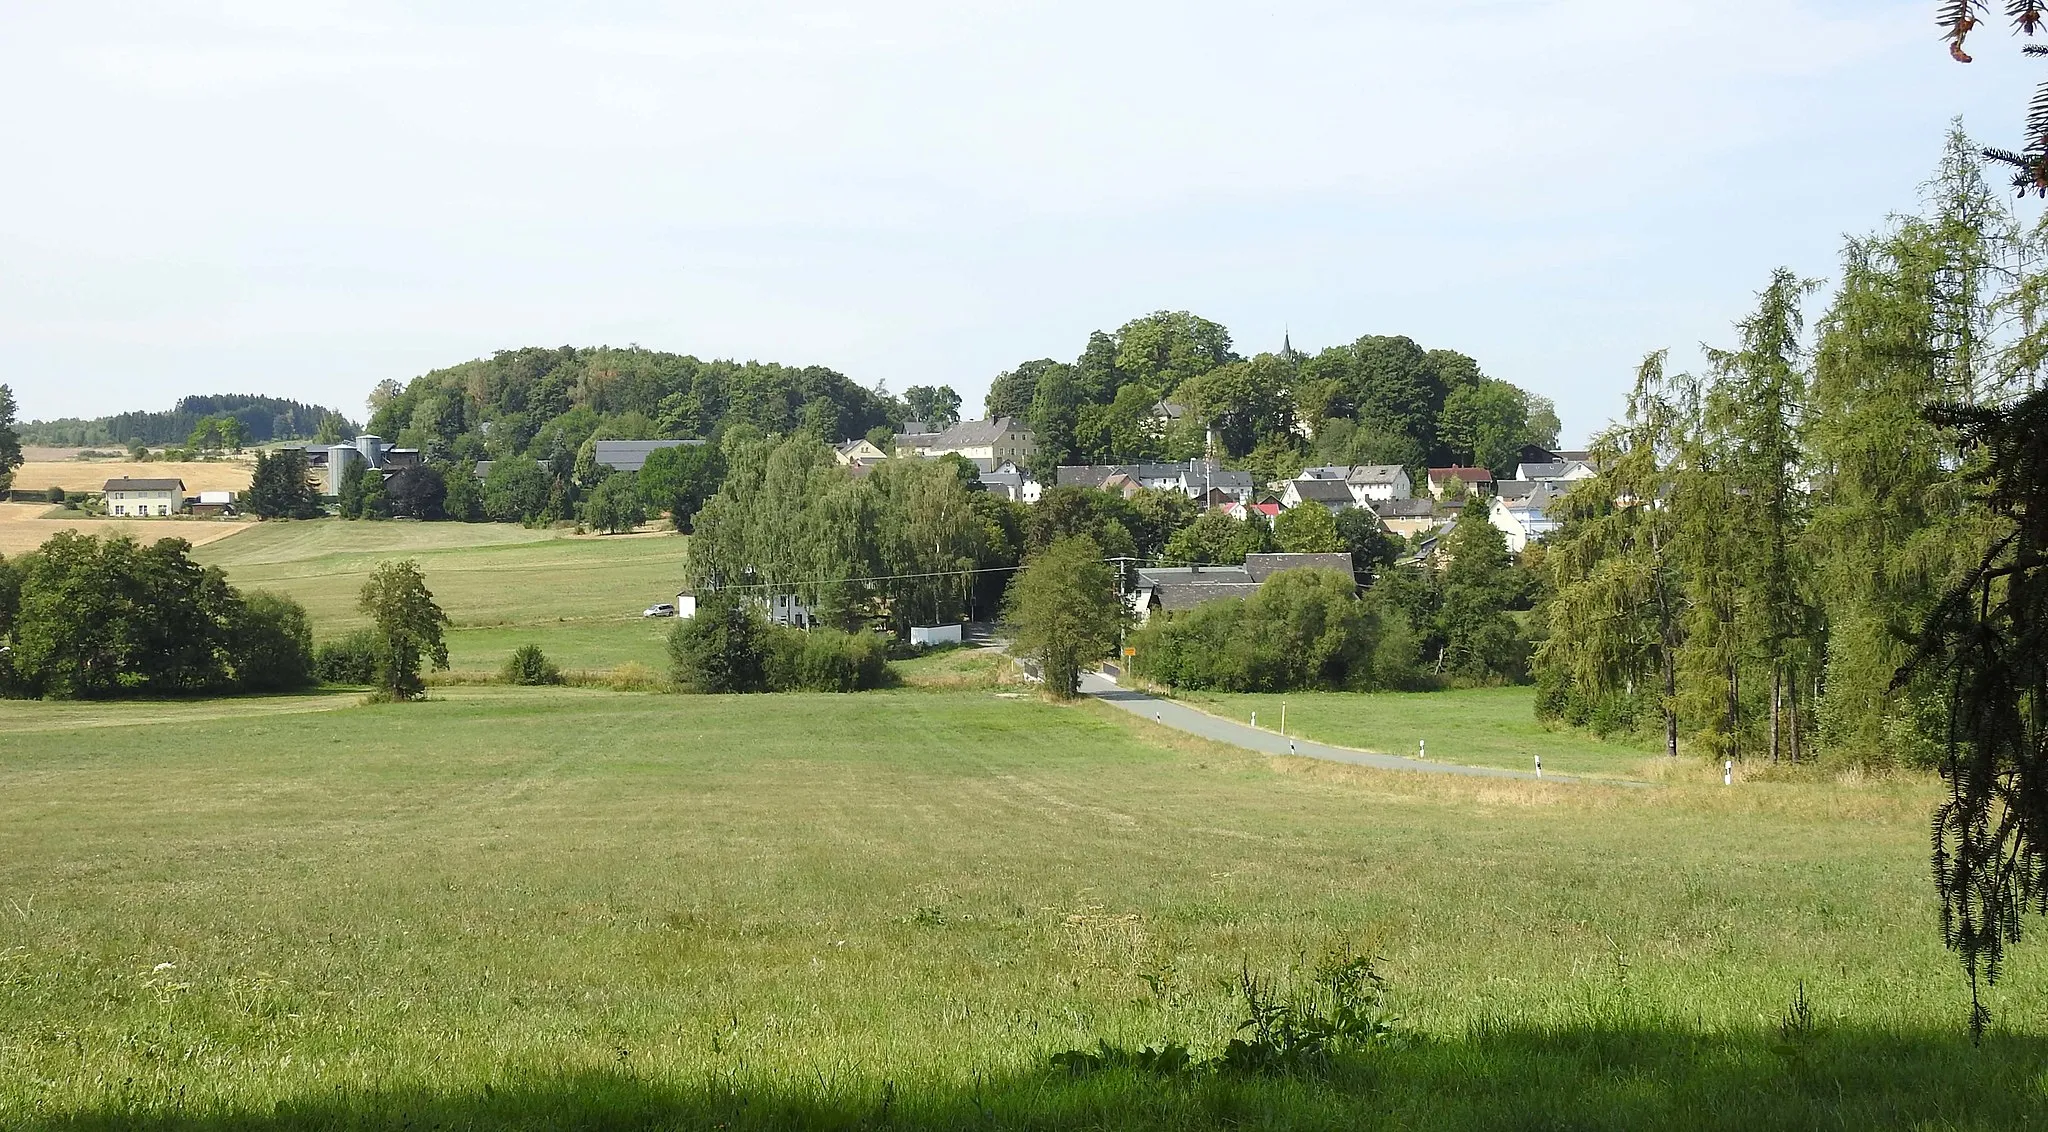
x: 544, y: 908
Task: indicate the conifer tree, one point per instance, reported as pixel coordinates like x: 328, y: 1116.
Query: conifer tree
x: 1755, y: 412
x: 1615, y: 619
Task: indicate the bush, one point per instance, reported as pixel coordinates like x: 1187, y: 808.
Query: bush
x: 723, y: 648
x: 1303, y: 629
x: 529, y: 666
x: 730, y: 647
x: 349, y: 660
x: 273, y: 644
x: 824, y: 660
x: 56, y: 495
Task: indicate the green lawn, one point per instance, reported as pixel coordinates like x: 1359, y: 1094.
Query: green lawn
x: 569, y: 908
x: 502, y: 586
x: 1479, y: 726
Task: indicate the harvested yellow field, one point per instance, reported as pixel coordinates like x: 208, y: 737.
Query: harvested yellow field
x: 23, y: 528
x: 91, y: 475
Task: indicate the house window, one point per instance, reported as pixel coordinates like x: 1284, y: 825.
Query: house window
x: 162, y: 510
x: 120, y: 510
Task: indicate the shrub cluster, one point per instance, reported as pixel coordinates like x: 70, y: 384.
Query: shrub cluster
x: 1304, y: 629
x: 530, y: 667
x: 352, y: 659
x: 85, y: 617
x: 728, y: 646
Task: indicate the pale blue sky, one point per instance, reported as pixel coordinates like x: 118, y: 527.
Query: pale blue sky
x: 304, y: 199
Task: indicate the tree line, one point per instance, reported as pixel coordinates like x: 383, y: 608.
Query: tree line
x: 1753, y: 563
x: 86, y: 617
x: 256, y: 420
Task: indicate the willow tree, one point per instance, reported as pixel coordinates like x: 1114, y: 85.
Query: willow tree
x: 1615, y: 616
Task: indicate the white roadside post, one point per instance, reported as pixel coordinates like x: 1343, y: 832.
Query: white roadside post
x: 1422, y: 748
x: 1728, y: 773
x: 1255, y: 718
x: 1539, y: 766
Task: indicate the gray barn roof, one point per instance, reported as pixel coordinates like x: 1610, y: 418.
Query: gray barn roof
x: 631, y: 455
x: 126, y: 484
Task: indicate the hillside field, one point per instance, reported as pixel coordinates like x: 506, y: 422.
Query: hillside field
x: 502, y: 585
x: 572, y: 908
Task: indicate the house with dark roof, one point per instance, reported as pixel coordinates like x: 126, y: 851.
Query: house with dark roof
x: 1406, y: 517
x: 1177, y: 589
x: 1334, y: 495
x: 136, y: 497
x: 631, y: 455
x: 1004, y: 438
x: 1555, y: 471
x: 1203, y: 480
x: 1522, y: 511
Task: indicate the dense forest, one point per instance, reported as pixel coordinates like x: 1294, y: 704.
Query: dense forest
x: 262, y: 419
x: 1764, y: 540
x: 1159, y: 385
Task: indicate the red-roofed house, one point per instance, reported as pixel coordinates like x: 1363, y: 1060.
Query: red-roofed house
x: 1478, y: 481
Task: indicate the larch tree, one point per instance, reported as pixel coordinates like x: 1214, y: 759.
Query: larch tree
x: 1755, y: 411
x: 1615, y: 617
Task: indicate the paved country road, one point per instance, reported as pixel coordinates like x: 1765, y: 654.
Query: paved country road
x: 1207, y: 726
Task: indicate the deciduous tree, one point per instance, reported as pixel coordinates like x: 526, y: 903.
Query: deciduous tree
x: 1064, y: 611
x: 408, y: 625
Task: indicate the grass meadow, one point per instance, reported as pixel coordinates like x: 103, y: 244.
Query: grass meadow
x: 1478, y: 726
x: 572, y: 908
x: 575, y: 908
x: 578, y: 597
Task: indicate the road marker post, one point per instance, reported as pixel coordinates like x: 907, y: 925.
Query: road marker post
x: 1728, y: 773
x: 1539, y: 766
x: 1422, y: 749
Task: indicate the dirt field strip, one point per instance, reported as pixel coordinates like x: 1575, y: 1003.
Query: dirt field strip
x: 91, y: 475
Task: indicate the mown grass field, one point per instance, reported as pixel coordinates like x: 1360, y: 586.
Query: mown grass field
x: 1478, y: 726
x: 579, y: 597
x: 571, y: 908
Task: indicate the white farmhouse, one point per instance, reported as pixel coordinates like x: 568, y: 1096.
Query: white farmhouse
x: 127, y: 497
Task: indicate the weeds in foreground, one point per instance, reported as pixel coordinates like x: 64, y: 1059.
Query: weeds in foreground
x: 1341, y: 1011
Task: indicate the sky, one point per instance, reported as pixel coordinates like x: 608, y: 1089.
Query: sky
x: 304, y: 199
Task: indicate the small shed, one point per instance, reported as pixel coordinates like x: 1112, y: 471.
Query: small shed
x: 686, y: 603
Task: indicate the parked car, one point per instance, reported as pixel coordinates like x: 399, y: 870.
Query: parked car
x: 663, y: 609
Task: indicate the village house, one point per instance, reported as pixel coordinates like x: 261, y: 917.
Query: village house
x: 1555, y: 471
x: 1004, y: 438
x: 1334, y: 495
x: 1478, y: 481
x: 1176, y: 589
x: 151, y: 497
x: 1366, y: 483
x: 1522, y: 511
x: 1205, y: 481
x: 1410, y: 517
x: 862, y: 451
